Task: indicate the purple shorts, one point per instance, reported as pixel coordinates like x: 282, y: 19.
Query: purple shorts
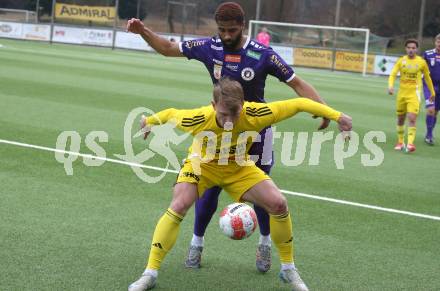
x: 427, y: 94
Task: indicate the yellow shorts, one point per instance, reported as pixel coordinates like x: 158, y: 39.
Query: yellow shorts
x: 407, y: 105
x: 232, y: 178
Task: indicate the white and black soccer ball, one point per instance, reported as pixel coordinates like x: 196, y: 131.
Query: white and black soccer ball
x: 238, y: 221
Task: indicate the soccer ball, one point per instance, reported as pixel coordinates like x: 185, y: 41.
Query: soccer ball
x: 238, y: 221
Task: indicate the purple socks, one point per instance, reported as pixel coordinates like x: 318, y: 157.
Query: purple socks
x: 430, y: 123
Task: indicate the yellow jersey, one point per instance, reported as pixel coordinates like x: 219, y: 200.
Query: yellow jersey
x: 411, y: 70
x: 224, y: 144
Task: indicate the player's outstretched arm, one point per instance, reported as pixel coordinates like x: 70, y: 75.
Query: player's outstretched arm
x: 162, y: 117
x: 183, y: 119
x: 287, y: 108
x: 302, y: 88
x: 158, y: 43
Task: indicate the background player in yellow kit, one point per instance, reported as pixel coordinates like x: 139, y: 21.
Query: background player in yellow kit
x: 411, y: 68
x: 229, y: 116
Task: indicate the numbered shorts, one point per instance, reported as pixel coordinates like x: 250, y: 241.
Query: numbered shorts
x: 234, y: 179
x: 407, y: 104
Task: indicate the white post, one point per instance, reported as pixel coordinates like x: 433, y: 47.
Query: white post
x: 52, y: 20
x: 258, y: 10
x: 367, y: 40
x: 250, y: 28
x: 37, y: 11
x: 114, y: 24
x: 421, y: 21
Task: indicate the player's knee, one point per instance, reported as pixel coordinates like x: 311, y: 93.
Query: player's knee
x: 278, y: 205
x: 180, y: 206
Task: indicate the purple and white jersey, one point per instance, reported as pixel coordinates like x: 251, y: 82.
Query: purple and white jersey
x: 432, y: 57
x: 250, y: 65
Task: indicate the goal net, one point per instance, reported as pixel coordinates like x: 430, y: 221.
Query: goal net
x: 17, y: 15
x: 327, y: 47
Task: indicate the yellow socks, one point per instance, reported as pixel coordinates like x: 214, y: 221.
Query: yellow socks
x: 281, y: 234
x: 411, y: 134
x: 164, y: 237
x: 400, y: 133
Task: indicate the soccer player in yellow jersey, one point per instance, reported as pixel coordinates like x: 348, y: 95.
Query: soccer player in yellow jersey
x: 218, y: 157
x: 411, y: 68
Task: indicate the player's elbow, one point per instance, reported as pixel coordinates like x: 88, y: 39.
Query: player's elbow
x: 165, y: 52
x: 169, y: 49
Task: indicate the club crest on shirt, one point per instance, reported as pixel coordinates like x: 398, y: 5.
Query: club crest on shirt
x: 217, y: 71
x: 432, y: 61
x: 247, y: 74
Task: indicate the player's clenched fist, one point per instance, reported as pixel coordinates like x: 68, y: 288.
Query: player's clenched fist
x: 134, y: 25
x: 345, y: 122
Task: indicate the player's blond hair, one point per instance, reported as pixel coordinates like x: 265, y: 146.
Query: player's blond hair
x: 437, y: 36
x: 230, y: 93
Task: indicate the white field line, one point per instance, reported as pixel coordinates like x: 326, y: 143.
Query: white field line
x: 304, y: 195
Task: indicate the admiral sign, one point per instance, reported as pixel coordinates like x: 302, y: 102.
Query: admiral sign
x: 85, y: 13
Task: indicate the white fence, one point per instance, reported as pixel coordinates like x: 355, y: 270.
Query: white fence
x: 104, y: 37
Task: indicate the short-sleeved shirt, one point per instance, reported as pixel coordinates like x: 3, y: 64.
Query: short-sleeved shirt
x: 432, y: 57
x: 250, y: 65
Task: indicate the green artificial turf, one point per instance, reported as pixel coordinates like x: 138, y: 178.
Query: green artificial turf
x: 92, y: 230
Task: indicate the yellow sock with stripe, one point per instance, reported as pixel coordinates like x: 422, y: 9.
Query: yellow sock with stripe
x: 281, y: 234
x: 411, y: 134
x: 164, y: 238
x: 400, y: 133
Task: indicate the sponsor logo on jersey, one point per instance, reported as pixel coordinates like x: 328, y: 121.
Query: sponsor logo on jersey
x: 232, y: 67
x: 217, y: 48
x: 190, y: 175
x: 193, y: 43
x: 247, y: 74
x: 217, y: 71
x: 275, y: 60
x: 232, y: 58
x: 253, y: 55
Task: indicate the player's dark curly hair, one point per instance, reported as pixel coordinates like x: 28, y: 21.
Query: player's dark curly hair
x: 412, y: 40
x: 229, y: 11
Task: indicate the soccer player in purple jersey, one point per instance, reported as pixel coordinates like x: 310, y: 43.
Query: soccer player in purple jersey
x: 232, y: 54
x: 432, y: 57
